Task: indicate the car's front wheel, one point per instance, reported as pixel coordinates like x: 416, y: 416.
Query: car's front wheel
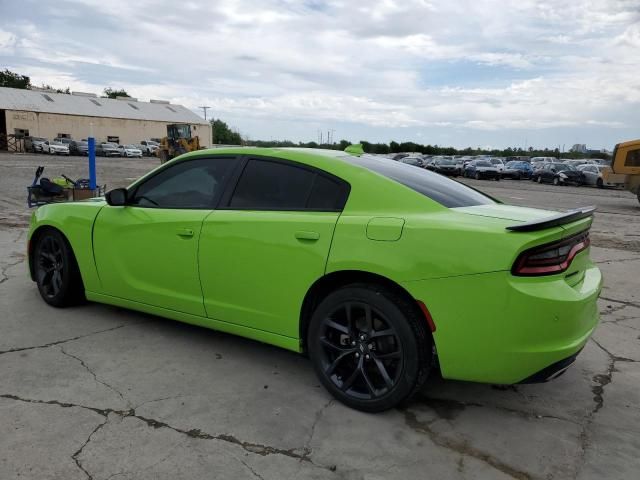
x: 369, y: 347
x: 56, y: 270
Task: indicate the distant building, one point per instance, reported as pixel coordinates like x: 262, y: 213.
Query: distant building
x: 579, y: 148
x: 42, y: 113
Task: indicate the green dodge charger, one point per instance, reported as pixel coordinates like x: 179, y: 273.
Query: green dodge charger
x: 377, y: 270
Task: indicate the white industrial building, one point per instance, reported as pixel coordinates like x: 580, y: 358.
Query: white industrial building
x: 124, y: 120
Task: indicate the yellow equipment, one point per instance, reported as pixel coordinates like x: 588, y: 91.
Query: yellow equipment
x: 177, y: 142
x: 626, y: 166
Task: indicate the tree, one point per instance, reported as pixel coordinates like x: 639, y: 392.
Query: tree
x: 111, y: 93
x: 222, y: 134
x: 14, y: 80
x: 57, y: 90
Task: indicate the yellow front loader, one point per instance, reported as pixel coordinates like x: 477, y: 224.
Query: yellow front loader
x: 625, y: 166
x: 177, y: 142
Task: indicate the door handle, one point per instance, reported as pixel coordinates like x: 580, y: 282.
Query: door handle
x: 306, y: 235
x: 185, y: 232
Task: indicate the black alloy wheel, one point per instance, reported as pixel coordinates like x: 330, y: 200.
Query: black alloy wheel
x: 369, y: 347
x: 56, y: 271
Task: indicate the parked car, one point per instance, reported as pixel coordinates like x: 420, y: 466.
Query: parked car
x: 594, y: 175
x: 373, y: 299
x: 55, y: 148
x: 479, y: 169
x: 498, y: 163
x: 559, y: 174
x: 129, y: 151
x: 580, y: 161
x: 79, y: 147
x: 538, y: 162
x: 517, y: 170
x: 415, y: 161
x: 149, y: 147
x: 66, y: 140
x: 106, y: 149
x: 446, y: 166
x: 34, y: 144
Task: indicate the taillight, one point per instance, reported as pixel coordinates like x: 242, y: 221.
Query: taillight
x: 551, y: 258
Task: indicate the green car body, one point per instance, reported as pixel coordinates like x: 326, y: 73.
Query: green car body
x: 256, y: 273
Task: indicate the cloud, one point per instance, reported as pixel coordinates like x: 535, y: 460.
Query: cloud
x: 377, y: 68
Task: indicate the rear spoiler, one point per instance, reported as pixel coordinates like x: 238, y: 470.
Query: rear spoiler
x: 554, y: 220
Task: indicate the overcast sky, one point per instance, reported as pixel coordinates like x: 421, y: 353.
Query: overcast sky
x: 462, y: 73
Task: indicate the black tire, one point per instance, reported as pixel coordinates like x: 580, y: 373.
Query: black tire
x: 556, y: 181
x: 346, y: 354
x: 599, y: 183
x: 539, y: 178
x: 498, y: 178
x: 56, y: 270
x: 477, y: 176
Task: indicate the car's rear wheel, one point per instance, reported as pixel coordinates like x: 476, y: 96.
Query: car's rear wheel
x: 477, y: 175
x: 556, y: 181
x: 599, y: 183
x: 56, y: 270
x: 369, y: 347
x: 539, y: 178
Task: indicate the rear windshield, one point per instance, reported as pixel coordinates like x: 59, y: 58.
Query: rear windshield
x: 447, y: 192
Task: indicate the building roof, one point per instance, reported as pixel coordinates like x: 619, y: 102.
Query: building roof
x: 91, y: 106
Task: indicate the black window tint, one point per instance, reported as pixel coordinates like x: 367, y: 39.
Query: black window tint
x: 266, y: 185
x: 192, y: 184
x: 327, y: 195
x: 443, y: 190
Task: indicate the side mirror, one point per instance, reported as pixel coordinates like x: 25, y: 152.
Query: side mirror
x: 117, y: 197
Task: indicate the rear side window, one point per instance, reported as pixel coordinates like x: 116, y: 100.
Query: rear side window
x: 447, y: 192
x: 271, y: 185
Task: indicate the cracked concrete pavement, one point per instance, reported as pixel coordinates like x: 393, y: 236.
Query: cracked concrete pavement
x: 97, y: 392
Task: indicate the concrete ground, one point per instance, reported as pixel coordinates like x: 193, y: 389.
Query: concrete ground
x: 97, y: 392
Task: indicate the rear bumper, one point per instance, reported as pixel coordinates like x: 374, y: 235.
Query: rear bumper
x: 497, y: 328
x: 552, y: 371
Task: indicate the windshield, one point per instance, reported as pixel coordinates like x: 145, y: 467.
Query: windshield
x: 445, y: 191
x: 130, y: 146
x: 410, y: 161
x: 562, y: 167
x: 483, y: 163
x: 495, y: 161
x: 445, y: 162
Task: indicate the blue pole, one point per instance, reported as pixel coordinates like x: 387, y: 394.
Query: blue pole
x: 92, y: 162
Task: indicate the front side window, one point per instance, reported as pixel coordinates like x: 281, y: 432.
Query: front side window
x: 271, y: 185
x: 193, y: 184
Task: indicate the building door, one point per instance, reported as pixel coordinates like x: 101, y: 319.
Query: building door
x: 3, y: 130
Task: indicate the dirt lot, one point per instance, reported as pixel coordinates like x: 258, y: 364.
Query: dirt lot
x: 100, y: 392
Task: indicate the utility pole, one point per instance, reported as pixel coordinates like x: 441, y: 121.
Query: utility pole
x: 204, y: 109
